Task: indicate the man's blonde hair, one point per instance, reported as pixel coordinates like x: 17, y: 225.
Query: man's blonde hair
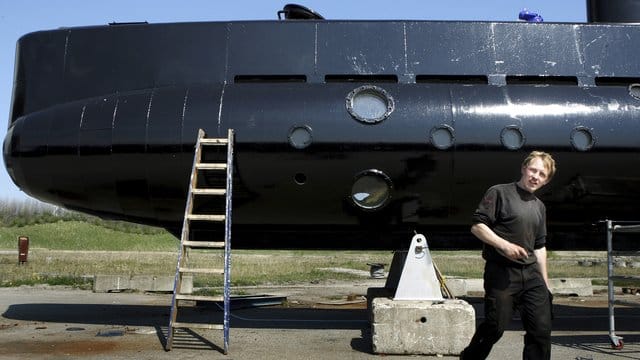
x: 547, y: 160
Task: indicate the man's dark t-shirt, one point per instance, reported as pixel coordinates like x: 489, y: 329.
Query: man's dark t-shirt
x: 517, y: 216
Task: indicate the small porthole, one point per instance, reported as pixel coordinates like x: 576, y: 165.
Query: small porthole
x: 371, y: 190
x: 300, y: 136
x: 582, y: 139
x: 442, y: 136
x: 300, y: 178
x: 512, y: 137
x: 634, y: 91
x: 369, y: 104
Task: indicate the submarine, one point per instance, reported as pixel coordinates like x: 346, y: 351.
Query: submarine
x: 346, y: 132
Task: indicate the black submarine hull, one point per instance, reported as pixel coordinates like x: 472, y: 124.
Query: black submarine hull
x: 104, y: 119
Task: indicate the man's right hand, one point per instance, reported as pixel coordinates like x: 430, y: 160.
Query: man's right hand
x: 512, y: 251
x: 507, y: 249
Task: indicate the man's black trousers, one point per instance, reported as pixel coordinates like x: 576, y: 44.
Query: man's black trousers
x: 509, y: 288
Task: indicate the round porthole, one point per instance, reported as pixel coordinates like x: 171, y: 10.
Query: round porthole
x: 300, y: 178
x: 634, y: 91
x: 371, y: 190
x: 369, y: 104
x: 442, y: 136
x: 300, y: 136
x: 512, y: 137
x: 582, y: 139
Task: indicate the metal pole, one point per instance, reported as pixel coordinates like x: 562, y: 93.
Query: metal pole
x: 609, y: 275
x: 615, y: 340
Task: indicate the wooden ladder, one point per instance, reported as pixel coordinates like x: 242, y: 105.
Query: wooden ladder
x: 187, y: 244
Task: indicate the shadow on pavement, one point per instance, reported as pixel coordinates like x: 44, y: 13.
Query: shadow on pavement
x: 600, y: 344
x: 154, y: 316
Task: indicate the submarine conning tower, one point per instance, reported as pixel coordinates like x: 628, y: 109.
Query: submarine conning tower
x: 613, y: 11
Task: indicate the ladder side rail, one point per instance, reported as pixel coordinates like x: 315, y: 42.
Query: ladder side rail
x: 184, y: 237
x: 227, y: 238
x: 193, y: 182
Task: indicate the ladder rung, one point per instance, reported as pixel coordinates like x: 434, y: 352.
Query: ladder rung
x: 199, y: 191
x: 214, y: 141
x: 201, y: 271
x: 199, y: 297
x: 202, y: 217
x: 198, y: 326
x: 211, y: 166
x: 204, y: 244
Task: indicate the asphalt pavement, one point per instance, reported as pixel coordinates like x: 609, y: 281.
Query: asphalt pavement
x: 317, y: 321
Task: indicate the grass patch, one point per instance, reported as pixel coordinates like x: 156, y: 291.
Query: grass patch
x: 257, y: 267
x: 37, y: 279
x: 31, y: 212
x: 80, y: 235
x: 249, y: 267
x: 66, y: 252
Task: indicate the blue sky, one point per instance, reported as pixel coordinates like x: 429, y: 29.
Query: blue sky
x: 19, y: 17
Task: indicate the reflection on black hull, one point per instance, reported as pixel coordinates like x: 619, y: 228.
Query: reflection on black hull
x: 104, y: 120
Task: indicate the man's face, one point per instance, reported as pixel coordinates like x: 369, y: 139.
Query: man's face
x: 534, y: 175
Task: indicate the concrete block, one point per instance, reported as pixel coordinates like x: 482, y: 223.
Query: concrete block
x: 421, y: 327
x: 376, y: 292
x: 475, y: 286
x: 579, y: 287
x: 458, y: 287
x: 187, y: 285
x: 160, y: 283
x: 108, y: 283
x: 145, y: 282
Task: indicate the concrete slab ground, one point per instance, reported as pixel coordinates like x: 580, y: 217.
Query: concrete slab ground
x: 320, y: 321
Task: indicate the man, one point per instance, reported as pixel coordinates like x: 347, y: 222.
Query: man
x: 511, y: 221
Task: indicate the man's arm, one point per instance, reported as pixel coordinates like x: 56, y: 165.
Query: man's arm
x: 541, y: 259
x: 504, y: 247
